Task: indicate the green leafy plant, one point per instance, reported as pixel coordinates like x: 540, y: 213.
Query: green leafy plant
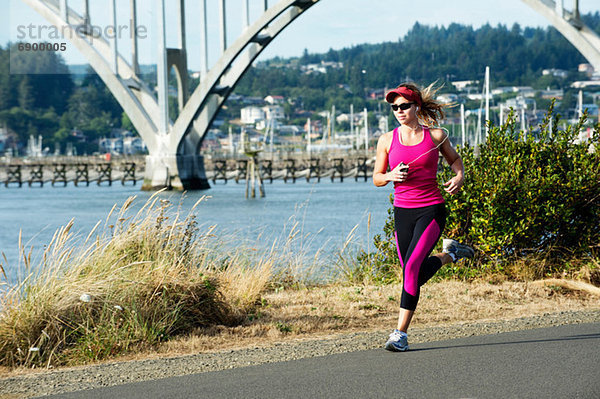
x: 531, y: 199
x: 533, y: 195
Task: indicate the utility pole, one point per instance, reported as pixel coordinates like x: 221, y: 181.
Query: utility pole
x: 333, y: 122
x: 487, y: 101
x: 134, y: 37
x: 366, y: 132
x: 223, y: 26
x: 462, y: 122
x: 308, y: 138
x: 204, y: 40
x: 523, y: 124
x: 114, y: 57
x: 161, y: 69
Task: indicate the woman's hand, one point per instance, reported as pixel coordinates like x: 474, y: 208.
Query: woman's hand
x: 453, y: 185
x: 398, y: 174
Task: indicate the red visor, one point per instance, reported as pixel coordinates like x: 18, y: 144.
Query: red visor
x: 404, y: 92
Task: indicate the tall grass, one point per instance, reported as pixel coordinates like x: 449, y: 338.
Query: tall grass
x: 127, y: 286
x: 355, y: 263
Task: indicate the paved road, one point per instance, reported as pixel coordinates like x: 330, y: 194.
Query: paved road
x: 558, y: 362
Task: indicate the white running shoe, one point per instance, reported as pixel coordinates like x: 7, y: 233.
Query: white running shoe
x: 398, y: 342
x: 460, y: 251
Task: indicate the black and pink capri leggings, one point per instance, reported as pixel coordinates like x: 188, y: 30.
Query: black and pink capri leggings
x: 417, y: 230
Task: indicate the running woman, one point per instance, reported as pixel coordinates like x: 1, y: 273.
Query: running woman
x: 411, y: 152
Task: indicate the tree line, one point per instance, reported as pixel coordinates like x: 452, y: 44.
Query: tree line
x: 425, y: 54
x: 62, y: 108
x: 40, y: 97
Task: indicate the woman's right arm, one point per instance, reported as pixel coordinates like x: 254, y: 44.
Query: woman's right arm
x: 380, y: 177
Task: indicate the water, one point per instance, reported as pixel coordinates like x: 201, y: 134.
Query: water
x: 326, y: 212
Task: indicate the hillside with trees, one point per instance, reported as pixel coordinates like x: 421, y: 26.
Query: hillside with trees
x: 63, y: 109
x: 425, y: 54
x: 47, y: 102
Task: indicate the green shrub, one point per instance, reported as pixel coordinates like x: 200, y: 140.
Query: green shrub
x: 533, y: 196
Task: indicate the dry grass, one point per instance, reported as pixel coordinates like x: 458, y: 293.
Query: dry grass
x: 137, y: 283
x: 325, y: 310
x: 154, y: 284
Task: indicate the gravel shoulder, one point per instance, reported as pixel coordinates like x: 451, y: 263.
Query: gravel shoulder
x: 117, y: 373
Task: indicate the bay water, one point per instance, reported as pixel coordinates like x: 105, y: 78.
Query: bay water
x: 323, y: 213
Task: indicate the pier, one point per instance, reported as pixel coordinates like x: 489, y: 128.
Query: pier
x: 61, y: 171
x: 292, y: 167
x: 220, y: 169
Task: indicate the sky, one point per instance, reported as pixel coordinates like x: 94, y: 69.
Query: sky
x: 328, y: 24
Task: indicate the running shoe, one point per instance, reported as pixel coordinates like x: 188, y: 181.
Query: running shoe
x: 397, y: 342
x: 460, y: 251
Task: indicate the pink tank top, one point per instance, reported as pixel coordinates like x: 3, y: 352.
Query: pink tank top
x: 420, y: 188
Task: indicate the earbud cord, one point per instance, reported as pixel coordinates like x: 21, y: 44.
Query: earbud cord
x: 434, y: 148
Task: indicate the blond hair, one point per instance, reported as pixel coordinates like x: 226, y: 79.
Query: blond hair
x: 431, y: 111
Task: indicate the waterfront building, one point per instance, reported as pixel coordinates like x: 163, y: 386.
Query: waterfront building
x: 274, y: 112
x: 550, y: 94
x: 559, y: 73
x: 251, y: 115
x: 466, y: 85
x: 520, y: 102
x: 448, y: 98
x: 274, y: 100
x: 588, y: 69
x: 525, y: 91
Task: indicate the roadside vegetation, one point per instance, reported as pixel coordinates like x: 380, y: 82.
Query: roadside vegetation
x: 136, y: 284
x: 530, y: 207
x: 154, y: 281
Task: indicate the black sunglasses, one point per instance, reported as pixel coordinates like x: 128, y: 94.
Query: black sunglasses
x: 403, y: 106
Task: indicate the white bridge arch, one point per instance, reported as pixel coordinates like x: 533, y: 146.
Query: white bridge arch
x: 174, y: 158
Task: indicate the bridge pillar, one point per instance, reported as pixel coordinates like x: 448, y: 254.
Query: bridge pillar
x: 175, y: 172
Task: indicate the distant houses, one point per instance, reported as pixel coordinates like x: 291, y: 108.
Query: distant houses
x: 253, y: 115
x: 122, y: 142
x: 259, y: 117
x: 558, y: 73
x: 321, y: 67
x: 274, y: 100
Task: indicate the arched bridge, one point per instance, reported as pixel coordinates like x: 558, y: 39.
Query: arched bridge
x: 174, y: 158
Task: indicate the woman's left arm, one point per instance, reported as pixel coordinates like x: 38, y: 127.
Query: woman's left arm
x: 454, y: 184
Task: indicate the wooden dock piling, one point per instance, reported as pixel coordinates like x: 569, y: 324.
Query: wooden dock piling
x: 60, y: 174
x: 338, y: 168
x: 82, y: 174
x: 36, y: 175
x: 220, y: 171
x: 314, y: 170
x: 361, y: 168
x: 13, y: 175
x: 290, y: 170
x: 242, y: 168
x: 266, y: 170
x: 128, y: 173
x: 253, y: 175
x: 105, y: 173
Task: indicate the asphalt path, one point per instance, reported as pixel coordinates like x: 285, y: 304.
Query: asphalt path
x: 557, y: 362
